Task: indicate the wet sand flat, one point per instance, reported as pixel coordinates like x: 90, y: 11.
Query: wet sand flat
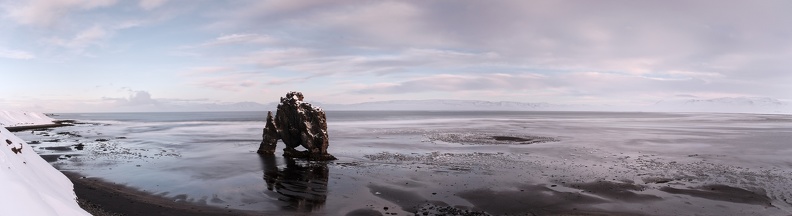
x: 465, y: 163
x: 119, y: 199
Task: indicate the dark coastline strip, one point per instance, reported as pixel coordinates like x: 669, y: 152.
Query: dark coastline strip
x: 120, y: 199
x: 33, y: 127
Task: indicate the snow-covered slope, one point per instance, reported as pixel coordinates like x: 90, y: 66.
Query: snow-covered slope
x: 21, y: 118
x: 30, y: 186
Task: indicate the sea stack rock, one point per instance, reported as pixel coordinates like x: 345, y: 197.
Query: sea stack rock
x: 298, y: 124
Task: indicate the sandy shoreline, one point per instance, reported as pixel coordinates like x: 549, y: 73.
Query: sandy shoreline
x: 120, y: 199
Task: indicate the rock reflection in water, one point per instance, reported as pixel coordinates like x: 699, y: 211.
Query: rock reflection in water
x: 302, y: 185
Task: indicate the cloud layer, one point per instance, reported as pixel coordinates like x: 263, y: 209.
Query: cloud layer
x: 616, y: 52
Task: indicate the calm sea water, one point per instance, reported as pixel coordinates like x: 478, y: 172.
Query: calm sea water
x: 345, y: 116
x: 386, y: 157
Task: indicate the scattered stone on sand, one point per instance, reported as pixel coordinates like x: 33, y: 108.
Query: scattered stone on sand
x: 67, y: 133
x: 433, y: 209
x: 298, y: 124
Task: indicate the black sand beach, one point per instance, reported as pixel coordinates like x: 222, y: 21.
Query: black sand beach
x: 118, y: 199
x: 406, y: 163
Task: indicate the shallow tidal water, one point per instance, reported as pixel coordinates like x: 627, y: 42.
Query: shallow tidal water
x: 402, y: 162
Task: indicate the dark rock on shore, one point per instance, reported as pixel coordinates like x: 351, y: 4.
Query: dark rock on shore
x: 298, y: 124
x: 43, y: 127
x: 71, y: 134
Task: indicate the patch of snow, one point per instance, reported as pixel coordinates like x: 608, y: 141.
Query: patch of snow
x: 31, y: 186
x: 21, y: 118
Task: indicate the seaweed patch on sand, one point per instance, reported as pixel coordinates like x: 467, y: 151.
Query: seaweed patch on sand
x: 489, y: 139
x: 456, y: 162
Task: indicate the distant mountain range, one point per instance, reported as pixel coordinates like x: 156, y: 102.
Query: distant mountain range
x: 240, y: 106
x: 441, y: 105
x: 726, y: 105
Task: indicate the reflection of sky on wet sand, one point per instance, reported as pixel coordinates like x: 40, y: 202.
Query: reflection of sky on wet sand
x: 386, y: 157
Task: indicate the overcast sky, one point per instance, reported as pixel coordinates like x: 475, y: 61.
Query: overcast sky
x: 106, y: 55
